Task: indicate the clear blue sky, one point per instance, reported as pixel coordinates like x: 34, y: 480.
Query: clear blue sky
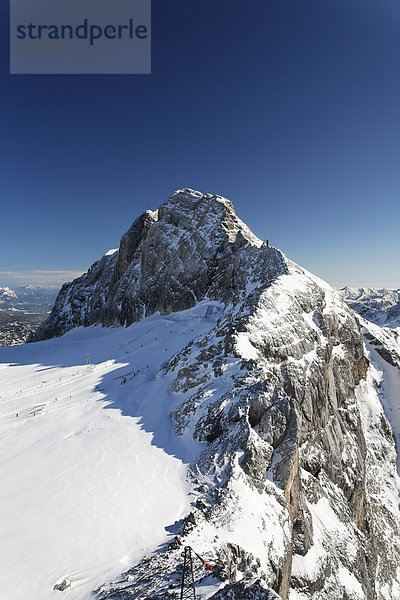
x: 289, y: 108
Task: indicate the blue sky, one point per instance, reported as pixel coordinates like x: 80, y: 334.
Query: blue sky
x: 290, y: 109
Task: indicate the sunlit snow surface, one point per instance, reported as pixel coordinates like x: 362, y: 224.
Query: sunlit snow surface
x: 92, y: 472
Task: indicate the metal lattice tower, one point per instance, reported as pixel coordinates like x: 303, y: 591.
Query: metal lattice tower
x: 187, y: 584
x: 89, y: 363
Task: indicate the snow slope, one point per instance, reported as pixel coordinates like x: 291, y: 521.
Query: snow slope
x: 383, y: 347
x: 93, y: 471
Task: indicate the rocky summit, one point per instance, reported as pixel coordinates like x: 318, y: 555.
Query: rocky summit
x: 290, y: 396
x: 194, y: 246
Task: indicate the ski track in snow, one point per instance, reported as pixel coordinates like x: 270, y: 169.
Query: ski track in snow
x: 92, y: 472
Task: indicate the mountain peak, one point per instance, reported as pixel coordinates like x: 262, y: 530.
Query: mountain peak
x: 7, y: 295
x: 192, y: 247
x: 191, y: 209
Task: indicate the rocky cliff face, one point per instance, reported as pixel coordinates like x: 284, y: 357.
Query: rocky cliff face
x: 193, y: 246
x: 296, y: 488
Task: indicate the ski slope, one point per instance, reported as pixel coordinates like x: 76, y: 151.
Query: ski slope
x: 92, y: 472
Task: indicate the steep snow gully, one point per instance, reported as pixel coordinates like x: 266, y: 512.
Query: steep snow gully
x: 197, y: 388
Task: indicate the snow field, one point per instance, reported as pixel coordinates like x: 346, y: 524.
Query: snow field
x: 92, y: 471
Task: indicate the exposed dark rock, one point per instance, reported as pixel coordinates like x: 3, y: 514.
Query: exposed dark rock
x: 250, y: 590
x: 64, y: 585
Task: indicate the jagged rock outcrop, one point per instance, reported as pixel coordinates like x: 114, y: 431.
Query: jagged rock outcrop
x: 245, y: 591
x: 295, y: 489
x: 193, y: 246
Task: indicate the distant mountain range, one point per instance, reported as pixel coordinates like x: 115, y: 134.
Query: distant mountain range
x: 380, y: 306
x: 27, y: 298
x: 22, y: 310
